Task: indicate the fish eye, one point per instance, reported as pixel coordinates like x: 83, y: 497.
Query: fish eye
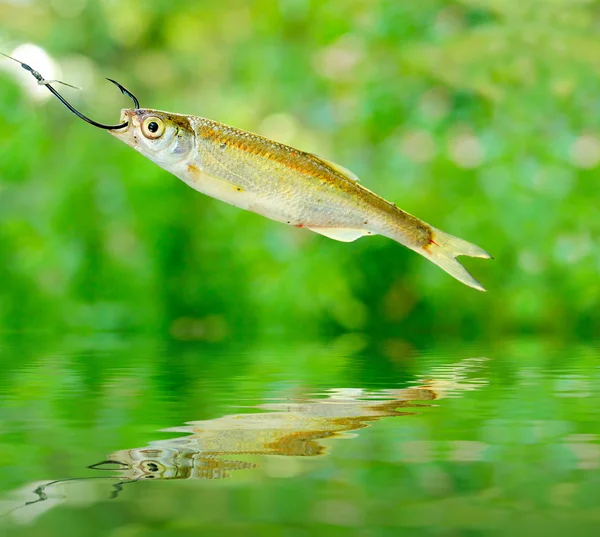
x: 153, y: 127
x: 151, y: 467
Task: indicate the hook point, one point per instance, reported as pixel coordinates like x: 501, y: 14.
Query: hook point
x: 125, y: 91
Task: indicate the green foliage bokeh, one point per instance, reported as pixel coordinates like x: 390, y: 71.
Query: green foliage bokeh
x: 478, y: 116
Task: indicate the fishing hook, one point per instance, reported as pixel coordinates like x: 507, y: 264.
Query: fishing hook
x: 44, y: 82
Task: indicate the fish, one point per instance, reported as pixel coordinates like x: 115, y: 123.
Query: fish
x: 285, y: 184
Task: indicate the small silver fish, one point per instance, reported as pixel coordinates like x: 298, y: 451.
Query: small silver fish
x: 284, y: 184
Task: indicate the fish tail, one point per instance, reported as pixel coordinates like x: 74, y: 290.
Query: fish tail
x: 443, y: 250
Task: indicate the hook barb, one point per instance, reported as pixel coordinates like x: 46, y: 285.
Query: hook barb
x: 125, y: 91
x: 42, y: 81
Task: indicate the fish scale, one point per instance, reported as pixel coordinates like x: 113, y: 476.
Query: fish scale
x: 278, y: 172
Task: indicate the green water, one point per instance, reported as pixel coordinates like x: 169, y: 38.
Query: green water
x: 119, y: 435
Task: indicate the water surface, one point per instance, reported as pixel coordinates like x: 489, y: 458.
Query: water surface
x: 129, y: 435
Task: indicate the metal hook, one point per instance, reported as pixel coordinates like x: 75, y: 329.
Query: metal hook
x: 47, y: 83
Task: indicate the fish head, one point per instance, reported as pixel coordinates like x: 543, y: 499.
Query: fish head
x: 148, y: 463
x: 165, y: 138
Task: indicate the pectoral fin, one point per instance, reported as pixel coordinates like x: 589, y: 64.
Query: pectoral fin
x: 341, y: 234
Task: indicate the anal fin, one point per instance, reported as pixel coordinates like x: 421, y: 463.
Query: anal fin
x: 342, y: 234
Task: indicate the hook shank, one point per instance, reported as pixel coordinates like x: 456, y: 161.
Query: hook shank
x: 48, y: 85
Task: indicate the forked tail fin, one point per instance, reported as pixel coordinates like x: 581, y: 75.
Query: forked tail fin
x: 443, y: 251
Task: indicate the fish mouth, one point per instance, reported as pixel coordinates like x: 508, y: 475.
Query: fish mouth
x: 127, y: 117
x: 127, y: 134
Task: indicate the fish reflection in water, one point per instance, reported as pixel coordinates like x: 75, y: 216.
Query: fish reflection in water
x: 289, y: 429
x: 292, y: 428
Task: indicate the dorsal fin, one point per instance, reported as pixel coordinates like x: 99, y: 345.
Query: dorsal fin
x: 340, y: 169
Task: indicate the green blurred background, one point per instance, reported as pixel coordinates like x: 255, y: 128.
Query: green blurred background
x: 130, y: 303
x: 481, y: 117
